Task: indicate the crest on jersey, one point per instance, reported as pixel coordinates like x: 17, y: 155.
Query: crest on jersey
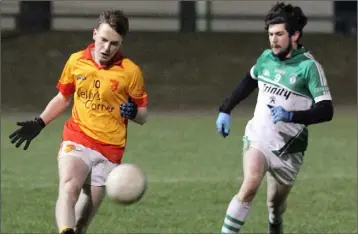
x: 272, y: 100
x: 293, y: 78
x: 81, y: 77
x: 266, y: 72
x: 114, y: 85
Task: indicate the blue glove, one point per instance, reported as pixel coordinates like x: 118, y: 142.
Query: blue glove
x: 128, y: 110
x: 280, y: 114
x: 223, y: 124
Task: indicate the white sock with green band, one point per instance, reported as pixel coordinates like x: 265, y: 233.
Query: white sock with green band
x: 235, y: 216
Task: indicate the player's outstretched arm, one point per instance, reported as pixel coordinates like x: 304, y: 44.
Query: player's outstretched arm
x: 241, y: 92
x: 30, y: 129
x: 246, y: 86
x: 55, y: 108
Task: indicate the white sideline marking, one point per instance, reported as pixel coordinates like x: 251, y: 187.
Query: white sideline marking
x: 215, y: 179
x: 303, y: 177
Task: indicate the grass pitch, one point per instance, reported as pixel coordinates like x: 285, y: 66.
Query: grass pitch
x: 193, y: 174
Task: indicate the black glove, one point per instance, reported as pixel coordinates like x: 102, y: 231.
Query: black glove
x: 129, y: 110
x: 28, y: 131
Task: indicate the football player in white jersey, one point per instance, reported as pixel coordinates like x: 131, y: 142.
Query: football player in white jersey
x: 293, y: 93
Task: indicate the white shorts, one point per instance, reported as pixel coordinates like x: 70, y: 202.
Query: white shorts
x: 99, y: 166
x: 283, y: 168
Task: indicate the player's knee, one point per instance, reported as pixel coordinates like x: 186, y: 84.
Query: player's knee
x: 252, y: 182
x: 70, y: 190
x: 249, y: 188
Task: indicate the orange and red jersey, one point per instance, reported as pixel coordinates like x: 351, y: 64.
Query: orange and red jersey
x: 98, y: 92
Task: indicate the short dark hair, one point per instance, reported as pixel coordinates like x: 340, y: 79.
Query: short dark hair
x: 291, y: 16
x: 116, y: 19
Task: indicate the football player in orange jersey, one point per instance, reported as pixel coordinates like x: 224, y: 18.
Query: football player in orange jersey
x: 108, y: 90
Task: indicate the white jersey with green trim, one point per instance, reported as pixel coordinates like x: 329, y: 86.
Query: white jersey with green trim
x: 295, y: 84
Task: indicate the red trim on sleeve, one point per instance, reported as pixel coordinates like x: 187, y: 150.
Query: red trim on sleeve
x: 66, y: 89
x: 141, y: 102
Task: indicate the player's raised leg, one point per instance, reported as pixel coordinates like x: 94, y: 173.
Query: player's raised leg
x: 72, y: 172
x: 87, y: 205
x: 255, y: 167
